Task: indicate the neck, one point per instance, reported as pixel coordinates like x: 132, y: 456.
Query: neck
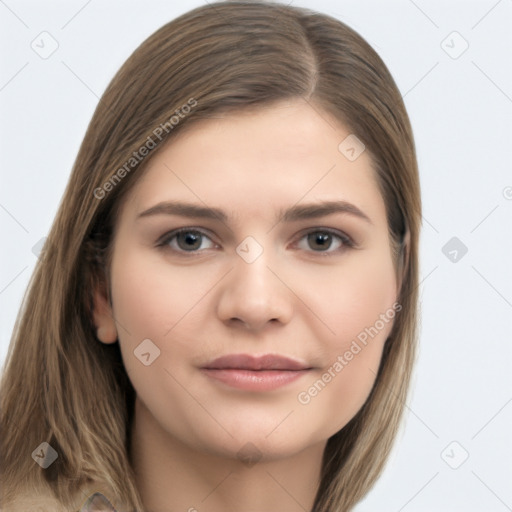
x: 173, y: 476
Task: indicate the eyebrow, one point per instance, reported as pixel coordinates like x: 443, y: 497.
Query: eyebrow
x: 295, y: 213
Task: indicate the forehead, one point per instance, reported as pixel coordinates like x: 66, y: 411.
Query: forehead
x: 262, y: 158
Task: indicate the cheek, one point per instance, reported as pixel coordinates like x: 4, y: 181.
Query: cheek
x: 151, y: 304
x: 357, y: 303
x: 150, y: 298
x: 363, y: 315
x: 340, y: 389
x: 352, y: 296
x: 146, y: 307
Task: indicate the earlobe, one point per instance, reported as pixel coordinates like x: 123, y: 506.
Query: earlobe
x: 106, y: 330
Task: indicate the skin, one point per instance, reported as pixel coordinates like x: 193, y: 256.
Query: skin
x: 294, y: 300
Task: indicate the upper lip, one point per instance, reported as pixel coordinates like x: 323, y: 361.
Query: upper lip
x: 249, y: 362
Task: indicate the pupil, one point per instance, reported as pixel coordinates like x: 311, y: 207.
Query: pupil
x: 191, y: 240
x: 323, y: 240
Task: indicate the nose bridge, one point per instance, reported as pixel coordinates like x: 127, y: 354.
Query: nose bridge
x: 252, y: 269
x: 252, y: 293
x: 251, y: 274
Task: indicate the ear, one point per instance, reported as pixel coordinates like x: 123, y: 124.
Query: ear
x: 106, y: 330
x: 403, y: 259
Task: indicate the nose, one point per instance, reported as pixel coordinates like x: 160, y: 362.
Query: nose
x: 254, y: 294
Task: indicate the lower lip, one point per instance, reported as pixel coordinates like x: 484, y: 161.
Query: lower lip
x: 255, y: 380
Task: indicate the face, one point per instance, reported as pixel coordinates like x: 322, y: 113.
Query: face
x: 253, y: 238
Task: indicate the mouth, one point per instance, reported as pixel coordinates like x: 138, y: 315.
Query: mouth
x: 264, y: 373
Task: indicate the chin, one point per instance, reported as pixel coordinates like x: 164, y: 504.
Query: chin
x: 251, y: 444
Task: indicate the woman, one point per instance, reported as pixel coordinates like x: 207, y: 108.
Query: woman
x: 224, y: 314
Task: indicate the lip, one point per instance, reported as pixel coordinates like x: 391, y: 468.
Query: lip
x: 251, y: 373
x: 249, y: 362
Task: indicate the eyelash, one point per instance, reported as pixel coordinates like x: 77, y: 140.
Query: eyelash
x: 346, y: 241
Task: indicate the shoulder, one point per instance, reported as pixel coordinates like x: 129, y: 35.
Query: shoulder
x: 86, y: 500
x: 34, y: 504
x: 41, y: 503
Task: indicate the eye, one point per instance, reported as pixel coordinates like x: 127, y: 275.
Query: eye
x: 323, y: 240
x: 186, y: 240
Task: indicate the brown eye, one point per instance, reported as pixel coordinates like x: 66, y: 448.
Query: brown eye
x: 319, y: 240
x: 325, y: 241
x: 187, y: 240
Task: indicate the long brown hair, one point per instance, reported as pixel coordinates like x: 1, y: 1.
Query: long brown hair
x: 59, y: 384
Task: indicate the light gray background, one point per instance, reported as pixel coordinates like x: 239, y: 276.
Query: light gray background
x: 461, y: 112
